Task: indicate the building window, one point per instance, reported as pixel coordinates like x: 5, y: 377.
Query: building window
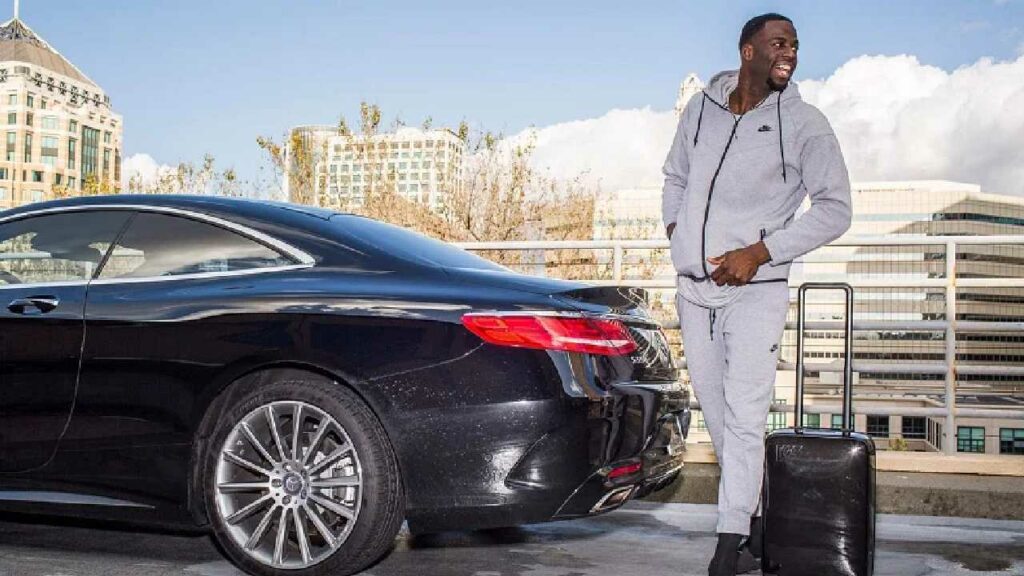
x: 812, y: 420
x: 12, y: 99
x: 90, y: 150
x: 28, y: 118
x: 30, y: 101
x: 49, y: 122
x: 878, y: 426
x: 106, y: 161
x: 49, y: 150
x: 935, y: 433
x: 73, y: 126
x: 28, y: 147
x: 837, y: 421
x: 71, y: 182
x: 11, y: 149
x: 970, y: 439
x: 3, y: 174
x: 58, y: 178
x: 37, y: 176
x: 3, y: 193
x: 777, y: 420
x: 914, y: 428
x: 72, y: 146
x: 106, y: 137
x: 42, y: 103
x: 1011, y: 440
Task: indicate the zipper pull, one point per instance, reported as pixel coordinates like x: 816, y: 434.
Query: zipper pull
x: 763, y: 233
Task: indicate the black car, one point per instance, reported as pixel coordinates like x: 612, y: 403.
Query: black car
x: 302, y: 381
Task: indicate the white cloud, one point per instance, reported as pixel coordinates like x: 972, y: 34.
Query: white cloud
x: 622, y: 149
x: 896, y: 118
x: 145, y: 168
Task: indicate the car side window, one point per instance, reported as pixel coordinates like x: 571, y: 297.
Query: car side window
x: 65, y: 247
x: 161, y: 245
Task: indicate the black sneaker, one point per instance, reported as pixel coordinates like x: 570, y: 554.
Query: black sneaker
x: 746, y: 563
x: 726, y: 555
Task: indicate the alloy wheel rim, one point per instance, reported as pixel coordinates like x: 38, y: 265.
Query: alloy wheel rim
x: 288, y: 485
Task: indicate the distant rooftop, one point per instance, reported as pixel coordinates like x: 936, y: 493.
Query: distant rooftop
x: 18, y: 43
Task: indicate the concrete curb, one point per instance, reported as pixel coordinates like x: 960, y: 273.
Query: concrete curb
x: 997, y: 497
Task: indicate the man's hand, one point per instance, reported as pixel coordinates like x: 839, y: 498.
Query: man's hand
x: 670, y: 229
x: 737, y: 267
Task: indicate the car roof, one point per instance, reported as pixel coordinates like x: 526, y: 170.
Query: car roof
x: 217, y: 204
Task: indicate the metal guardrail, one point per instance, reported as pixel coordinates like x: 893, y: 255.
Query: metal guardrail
x: 950, y: 326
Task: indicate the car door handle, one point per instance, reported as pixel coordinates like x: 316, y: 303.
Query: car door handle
x: 34, y: 305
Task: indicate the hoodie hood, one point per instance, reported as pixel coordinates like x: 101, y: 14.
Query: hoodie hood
x: 722, y: 84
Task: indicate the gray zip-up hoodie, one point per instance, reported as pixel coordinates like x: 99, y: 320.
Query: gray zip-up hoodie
x: 731, y: 181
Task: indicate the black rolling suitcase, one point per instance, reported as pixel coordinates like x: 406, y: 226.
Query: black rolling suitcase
x: 819, y: 486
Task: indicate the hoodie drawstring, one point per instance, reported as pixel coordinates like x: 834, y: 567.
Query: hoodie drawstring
x: 700, y: 116
x: 712, y: 313
x: 782, y: 151
x: 778, y: 111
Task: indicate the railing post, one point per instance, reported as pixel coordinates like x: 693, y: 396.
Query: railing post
x: 950, y: 437
x: 617, y: 262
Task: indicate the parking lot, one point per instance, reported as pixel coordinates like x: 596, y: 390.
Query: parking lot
x: 644, y: 538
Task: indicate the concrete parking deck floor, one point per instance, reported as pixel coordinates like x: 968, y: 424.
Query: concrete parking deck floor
x: 644, y: 538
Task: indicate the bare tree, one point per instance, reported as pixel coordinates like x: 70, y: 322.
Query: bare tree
x: 496, y: 195
x: 189, y: 178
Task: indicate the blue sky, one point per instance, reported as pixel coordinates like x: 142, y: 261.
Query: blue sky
x: 192, y: 77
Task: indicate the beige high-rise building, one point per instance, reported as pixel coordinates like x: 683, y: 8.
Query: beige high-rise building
x: 420, y: 165
x: 60, y: 132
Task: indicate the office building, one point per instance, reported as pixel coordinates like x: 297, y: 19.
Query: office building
x: 60, y: 132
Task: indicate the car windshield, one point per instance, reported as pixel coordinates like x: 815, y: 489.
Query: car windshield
x: 410, y: 245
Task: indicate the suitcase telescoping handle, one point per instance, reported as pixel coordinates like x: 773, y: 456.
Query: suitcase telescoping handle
x: 848, y: 356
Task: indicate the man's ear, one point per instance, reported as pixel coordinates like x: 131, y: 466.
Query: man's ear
x: 747, y: 52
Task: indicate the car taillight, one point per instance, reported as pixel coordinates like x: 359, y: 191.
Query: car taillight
x: 552, y: 332
x: 624, y: 470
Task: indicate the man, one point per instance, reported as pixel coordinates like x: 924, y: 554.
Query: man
x: 746, y: 153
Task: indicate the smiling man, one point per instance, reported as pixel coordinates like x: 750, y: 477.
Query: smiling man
x: 746, y: 153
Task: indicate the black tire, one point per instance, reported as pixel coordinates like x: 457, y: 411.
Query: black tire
x: 381, y: 498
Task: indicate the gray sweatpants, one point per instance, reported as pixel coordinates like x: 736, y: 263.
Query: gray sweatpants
x: 731, y: 353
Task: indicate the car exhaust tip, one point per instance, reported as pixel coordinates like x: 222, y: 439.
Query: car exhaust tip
x: 613, y: 499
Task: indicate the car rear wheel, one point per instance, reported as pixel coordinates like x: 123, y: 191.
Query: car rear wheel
x: 300, y: 479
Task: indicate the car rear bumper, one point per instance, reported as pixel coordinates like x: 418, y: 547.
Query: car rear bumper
x: 656, y: 464
x: 567, y: 469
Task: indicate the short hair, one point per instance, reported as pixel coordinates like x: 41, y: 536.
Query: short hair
x: 756, y: 24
